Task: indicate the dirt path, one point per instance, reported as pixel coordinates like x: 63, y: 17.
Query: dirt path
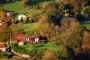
x: 24, y: 56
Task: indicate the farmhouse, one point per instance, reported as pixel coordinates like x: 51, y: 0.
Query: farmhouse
x: 1, y: 22
x: 3, y: 47
x: 35, y: 39
x: 21, y: 38
x: 22, y: 16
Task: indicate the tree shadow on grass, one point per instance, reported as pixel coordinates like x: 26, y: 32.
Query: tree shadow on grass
x: 84, y: 23
x: 39, y: 46
x: 37, y: 2
x: 89, y: 31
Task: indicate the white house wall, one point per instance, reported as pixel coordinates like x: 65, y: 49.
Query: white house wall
x: 3, y: 49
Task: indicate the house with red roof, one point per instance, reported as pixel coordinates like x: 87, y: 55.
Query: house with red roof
x: 3, y: 47
x: 21, y: 38
x: 35, y: 39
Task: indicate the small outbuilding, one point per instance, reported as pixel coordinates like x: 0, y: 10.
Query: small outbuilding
x: 20, y: 39
x: 3, y: 47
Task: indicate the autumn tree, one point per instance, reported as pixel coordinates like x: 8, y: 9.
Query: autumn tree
x: 4, y: 33
x: 86, y: 43
x: 2, y: 15
x: 65, y: 53
x: 49, y: 55
x: 48, y: 29
x: 64, y: 1
x: 25, y: 2
x: 67, y: 24
x: 76, y: 37
x: 51, y: 8
x: 16, y: 29
x: 78, y: 4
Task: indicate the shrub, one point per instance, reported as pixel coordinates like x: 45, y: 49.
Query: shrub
x: 4, y: 55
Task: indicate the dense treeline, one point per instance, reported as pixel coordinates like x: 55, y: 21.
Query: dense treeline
x: 5, y: 1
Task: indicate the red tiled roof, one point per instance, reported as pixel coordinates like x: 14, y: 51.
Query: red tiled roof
x: 19, y: 37
x: 3, y: 46
x: 7, y: 20
x: 33, y: 36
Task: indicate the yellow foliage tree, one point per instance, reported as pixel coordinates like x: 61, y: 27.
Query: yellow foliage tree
x: 49, y: 55
x: 2, y: 15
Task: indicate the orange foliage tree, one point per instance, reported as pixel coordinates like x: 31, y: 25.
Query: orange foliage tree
x: 2, y: 15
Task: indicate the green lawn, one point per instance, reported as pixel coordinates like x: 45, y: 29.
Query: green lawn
x: 86, y: 24
x: 42, y: 46
x: 18, y: 8
x: 27, y: 27
x: 48, y: 46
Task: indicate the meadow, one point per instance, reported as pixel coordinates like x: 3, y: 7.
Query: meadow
x: 18, y: 7
x: 30, y: 26
x: 86, y: 24
x: 27, y: 27
x: 42, y: 46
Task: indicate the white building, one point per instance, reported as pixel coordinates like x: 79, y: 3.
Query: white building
x: 22, y: 16
x: 3, y: 47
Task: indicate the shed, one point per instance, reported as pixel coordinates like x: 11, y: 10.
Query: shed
x: 3, y: 47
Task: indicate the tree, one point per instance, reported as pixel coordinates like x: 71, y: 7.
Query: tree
x: 49, y: 55
x: 75, y: 38
x: 51, y: 9
x: 65, y: 53
x: 67, y: 25
x: 48, y: 29
x: 39, y: 54
x: 2, y: 1
x: 78, y: 4
x: 64, y: 1
x: 16, y: 29
x: 86, y: 42
x: 25, y: 2
x: 4, y: 33
x: 2, y: 15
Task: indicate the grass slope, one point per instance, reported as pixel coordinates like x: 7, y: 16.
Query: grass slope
x: 27, y: 27
x: 48, y: 46
x: 42, y: 46
x: 86, y: 24
x: 18, y: 8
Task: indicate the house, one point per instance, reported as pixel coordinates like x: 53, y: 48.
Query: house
x: 8, y: 13
x: 35, y: 39
x: 22, y: 16
x: 3, y: 47
x: 1, y: 22
x: 8, y: 21
x: 20, y: 39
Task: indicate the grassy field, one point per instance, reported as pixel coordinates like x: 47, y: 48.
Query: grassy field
x: 31, y: 26
x: 42, y: 46
x: 27, y: 27
x: 86, y: 24
x: 48, y: 46
x: 18, y: 8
